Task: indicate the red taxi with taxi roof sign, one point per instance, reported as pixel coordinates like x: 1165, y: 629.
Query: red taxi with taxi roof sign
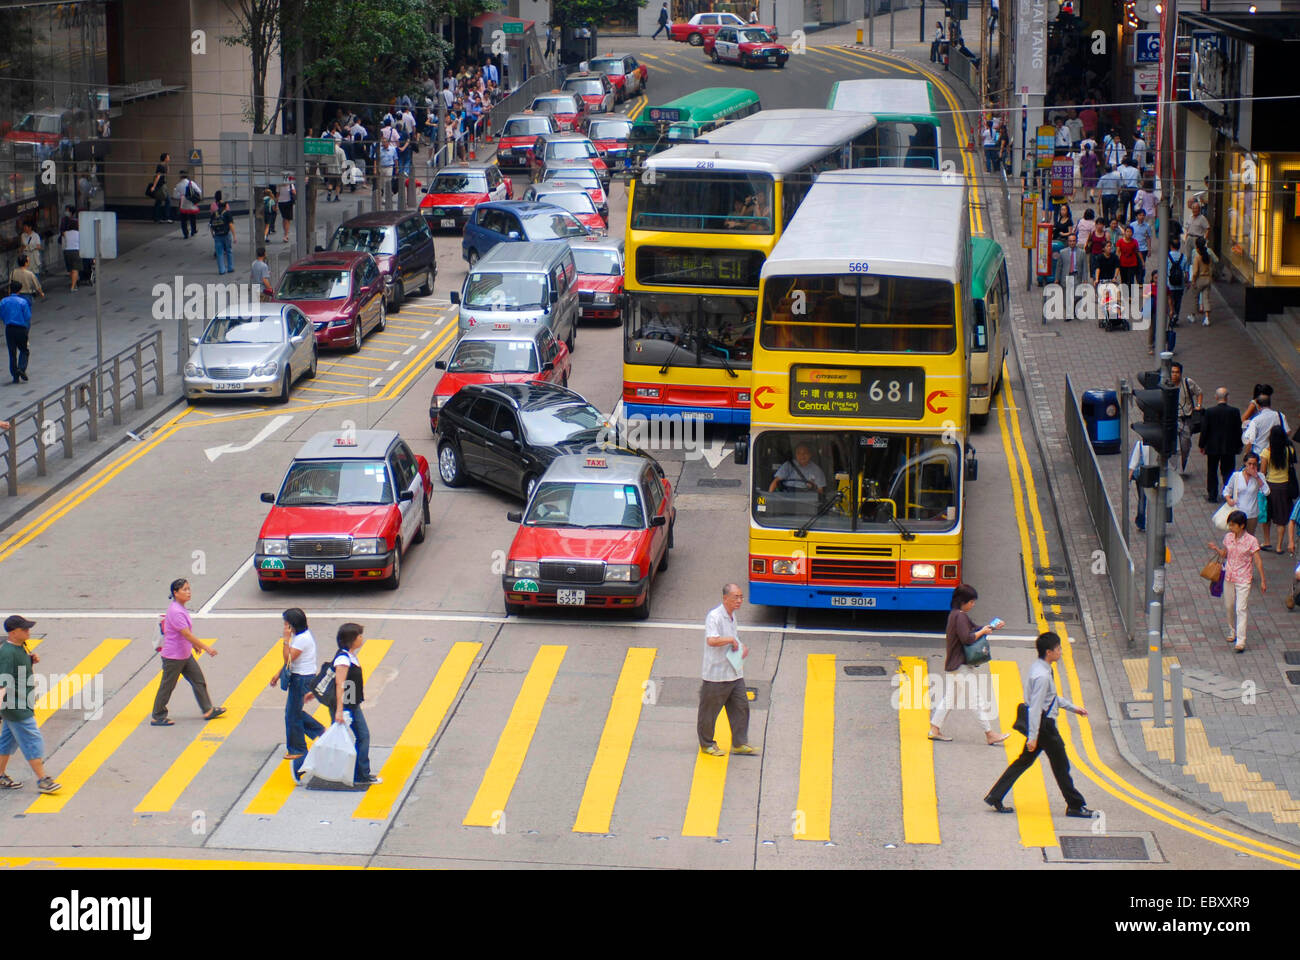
x: 705, y: 25
x: 628, y: 77
x: 566, y: 108
x: 450, y: 198
x: 596, y: 533
x: 600, y: 277
x: 747, y: 46
x: 596, y: 90
x: 349, y: 507
x: 501, y: 353
x: 517, y: 137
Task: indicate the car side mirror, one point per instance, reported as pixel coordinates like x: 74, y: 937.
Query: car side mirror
x: 514, y: 516
x: 508, y: 436
x: 548, y: 365
x: 972, y: 465
x: 406, y: 496
x: 555, y: 295
x: 455, y: 297
x: 297, y: 338
x: 742, y: 450
x: 440, y: 364
x: 194, y: 341
x: 268, y: 498
x: 513, y: 235
x: 658, y: 521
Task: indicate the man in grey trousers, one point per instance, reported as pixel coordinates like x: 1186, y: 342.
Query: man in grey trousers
x: 724, y: 682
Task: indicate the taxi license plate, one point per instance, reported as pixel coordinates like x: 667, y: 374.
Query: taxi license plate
x: 319, y: 571
x: 853, y: 601
x: 448, y: 222
x: 571, y: 598
x: 229, y: 385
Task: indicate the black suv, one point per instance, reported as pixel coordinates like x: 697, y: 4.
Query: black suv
x: 507, y: 434
x: 402, y: 245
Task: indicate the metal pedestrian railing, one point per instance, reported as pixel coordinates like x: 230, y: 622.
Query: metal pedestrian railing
x: 39, y: 431
x: 519, y: 98
x: 1119, y: 562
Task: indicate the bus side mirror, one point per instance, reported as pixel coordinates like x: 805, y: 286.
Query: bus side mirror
x: 742, y: 450
x: 972, y: 465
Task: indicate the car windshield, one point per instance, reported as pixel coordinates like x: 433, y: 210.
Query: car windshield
x: 245, y: 330
x: 369, y: 239
x: 561, y: 421
x: 522, y: 126
x: 585, y: 176
x: 505, y: 291
x: 494, y: 356
x: 335, y: 483
x: 575, y: 202
x: 570, y: 150
x: 612, y: 67
x: 459, y: 183
x: 754, y: 36
x: 598, y: 263
x: 39, y: 123
x: 610, y: 130
x: 555, y: 105
x: 315, y: 285
x: 683, y: 131
x: 586, y: 505
x: 553, y: 226
x: 588, y: 88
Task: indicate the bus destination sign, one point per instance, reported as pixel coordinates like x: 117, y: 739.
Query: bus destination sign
x: 889, y: 393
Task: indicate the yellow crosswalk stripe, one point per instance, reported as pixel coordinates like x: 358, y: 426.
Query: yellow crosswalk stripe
x: 916, y: 755
x: 494, y: 791
x: 279, y: 785
x: 704, y: 806
x: 419, y: 732
x: 73, y: 682
x: 1030, y: 791
x: 164, y: 794
x: 813, y: 810
x: 84, y: 765
x: 597, y: 807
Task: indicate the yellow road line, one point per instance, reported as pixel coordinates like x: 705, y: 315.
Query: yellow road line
x: 371, y: 346
x: 1030, y: 792
x: 164, y: 794
x: 970, y: 166
x: 413, y: 326
x: 378, y: 365
x: 279, y: 785
x: 848, y: 57
x: 916, y: 755
x: 73, y: 681
x: 392, y: 333
x: 875, y: 62
x: 638, y: 105
x: 704, y: 806
x: 494, y: 791
x: 329, y: 393
x: 597, y: 806
x: 813, y: 809
x: 407, y: 375
x: 419, y: 732
x: 350, y: 376
x: 322, y: 378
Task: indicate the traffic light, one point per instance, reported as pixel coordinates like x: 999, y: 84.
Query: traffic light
x: 1159, y: 405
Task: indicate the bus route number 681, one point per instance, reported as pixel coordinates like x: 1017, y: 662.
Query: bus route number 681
x: 857, y: 266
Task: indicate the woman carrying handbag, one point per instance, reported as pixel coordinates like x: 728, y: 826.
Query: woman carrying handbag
x: 961, y: 665
x: 1238, y: 551
x: 1277, y: 463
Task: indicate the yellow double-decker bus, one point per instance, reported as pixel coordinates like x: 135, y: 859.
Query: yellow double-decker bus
x: 702, y: 218
x: 858, y: 452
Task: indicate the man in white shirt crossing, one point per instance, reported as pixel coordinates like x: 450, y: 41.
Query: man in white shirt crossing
x: 723, y: 685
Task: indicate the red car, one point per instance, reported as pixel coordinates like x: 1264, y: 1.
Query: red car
x: 597, y: 531
x: 501, y: 353
x: 747, y: 46
x: 566, y: 108
x: 350, y: 506
x: 455, y: 191
x: 583, y: 174
x: 552, y: 148
x: 518, y: 136
x: 628, y: 77
x: 571, y: 197
x: 596, y: 90
x: 342, y: 294
x: 704, y: 25
x: 600, y: 277
x: 610, y: 135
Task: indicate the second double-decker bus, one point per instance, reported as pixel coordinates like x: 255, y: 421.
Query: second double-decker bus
x: 908, y: 130
x: 858, y: 454
x: 686, y: 118
x: 991, y: 292
x: 702, y: 218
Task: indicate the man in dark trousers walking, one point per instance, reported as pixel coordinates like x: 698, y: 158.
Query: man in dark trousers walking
x: 663, y: 22
x: 1220, y: 442
x: 16, y: 313
x: 724, y: 682
x: 1042, y: 735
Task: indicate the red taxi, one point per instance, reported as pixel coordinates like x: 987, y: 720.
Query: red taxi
x: 571, y: 197
x: 704, y: 25
x: 501, y: 353
x: 342, y: 294
x: 552, y: 148
x: 596, y: 90
x: 350, y: 506
x: 597, y: 531
x: 455, y: 191
x: 628, y: 77
x: 566, y: 108
x: 609, y: 135
x: 600, y: 277
x: 584, y: 175
x: 747, y: 46
x: 517, y: 137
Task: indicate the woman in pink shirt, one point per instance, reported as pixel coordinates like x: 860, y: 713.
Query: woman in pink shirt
x: 178, y: 646
x: 1239, y: 549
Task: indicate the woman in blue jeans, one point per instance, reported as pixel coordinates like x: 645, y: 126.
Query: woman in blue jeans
x: 349, y: 694
x: 299, y: 651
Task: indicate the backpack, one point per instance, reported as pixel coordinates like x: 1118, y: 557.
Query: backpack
x: 1176, y: 277
x: 192, y: 192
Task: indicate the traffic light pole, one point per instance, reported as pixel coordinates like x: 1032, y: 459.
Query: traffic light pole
x: 1159, y: 431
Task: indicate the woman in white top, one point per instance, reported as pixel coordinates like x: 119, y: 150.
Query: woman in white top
x: 1243, y: 489
x: 32, y: 246
x: 299, y: 650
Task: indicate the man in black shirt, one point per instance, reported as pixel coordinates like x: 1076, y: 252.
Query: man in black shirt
x: 1220, y: 442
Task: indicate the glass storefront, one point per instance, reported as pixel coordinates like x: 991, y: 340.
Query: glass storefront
x: 1242, y: 212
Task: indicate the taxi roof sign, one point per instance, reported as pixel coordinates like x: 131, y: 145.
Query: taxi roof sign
x: 345, y: 442
x: 500, y: 326
x: 597, y: 462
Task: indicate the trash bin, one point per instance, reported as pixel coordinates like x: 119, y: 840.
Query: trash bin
x: 1100, y: 410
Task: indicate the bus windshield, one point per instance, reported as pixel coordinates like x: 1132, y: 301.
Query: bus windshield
x: 687, y: 201
x: 868, y: 314
x: 683, y: 330
x: 855, y: 481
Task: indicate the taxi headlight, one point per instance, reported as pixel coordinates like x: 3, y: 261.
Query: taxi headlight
x: 923, y: 571
x: 267, y: 369
x: 785, y: 567
x: 525, y: 568
x: 621, y: 572
x: 604, y: 299
x: 439, y: 401
x: 273, y: 548
x: 369, y: 546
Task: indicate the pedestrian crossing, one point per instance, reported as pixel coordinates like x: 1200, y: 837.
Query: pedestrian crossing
x: 646, y: 753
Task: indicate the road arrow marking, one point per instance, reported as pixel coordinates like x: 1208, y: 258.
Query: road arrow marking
x: 266, y: 431
x: 715, y: 452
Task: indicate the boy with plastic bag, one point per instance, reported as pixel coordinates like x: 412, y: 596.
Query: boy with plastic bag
x: 342, y: 754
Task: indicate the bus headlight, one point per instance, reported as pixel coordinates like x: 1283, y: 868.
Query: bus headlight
x: 923, y: 571
x: 785, y: 567
x: 651, y: 393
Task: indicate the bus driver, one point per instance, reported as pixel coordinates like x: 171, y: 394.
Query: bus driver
x: 800, y: 473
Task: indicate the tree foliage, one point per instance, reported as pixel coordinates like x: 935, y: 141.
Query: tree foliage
x: 574, y: 12
x: 258, y: 23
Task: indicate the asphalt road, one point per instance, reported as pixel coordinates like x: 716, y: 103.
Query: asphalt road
x: 542, y: 740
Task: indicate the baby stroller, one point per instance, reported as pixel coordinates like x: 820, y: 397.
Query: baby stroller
x: 1110, y: 313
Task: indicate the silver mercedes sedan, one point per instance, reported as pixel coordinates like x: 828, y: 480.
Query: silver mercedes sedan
x: 255, y: 352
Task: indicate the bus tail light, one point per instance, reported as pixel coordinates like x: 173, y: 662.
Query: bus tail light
x: 980, y: 392
x: 757, y: 565
x: 923, y: 571
x: 950, y: 571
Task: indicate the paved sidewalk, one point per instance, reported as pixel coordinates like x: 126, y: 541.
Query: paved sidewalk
x: 1244, y: 735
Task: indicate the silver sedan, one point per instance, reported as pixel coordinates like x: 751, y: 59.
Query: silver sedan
x: 256, y: 352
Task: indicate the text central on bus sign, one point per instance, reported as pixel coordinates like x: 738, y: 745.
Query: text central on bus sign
x: 891, y: 393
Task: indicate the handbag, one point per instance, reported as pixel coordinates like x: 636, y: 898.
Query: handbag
x: 1213, y: 570
x: 1263, y: 507
x: 977, y: 652
x: 1021, y: 725
x: 1216, y: 588
x: 324, y: 688
x: 149, y: 190
x: 1221, y: 516
x: 285, y: 674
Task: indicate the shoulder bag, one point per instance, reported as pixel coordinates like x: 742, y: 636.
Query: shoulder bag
x: 285, y: 674
x: 978, y: 652
x: 1221, y: 516
x: 1212, y: 570
x: 324, y: 686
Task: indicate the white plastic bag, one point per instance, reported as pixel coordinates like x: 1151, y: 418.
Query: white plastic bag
x: 333, y: 756
x: 1221, y: 516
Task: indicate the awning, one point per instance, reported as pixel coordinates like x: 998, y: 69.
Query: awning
x: 484, y: 19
